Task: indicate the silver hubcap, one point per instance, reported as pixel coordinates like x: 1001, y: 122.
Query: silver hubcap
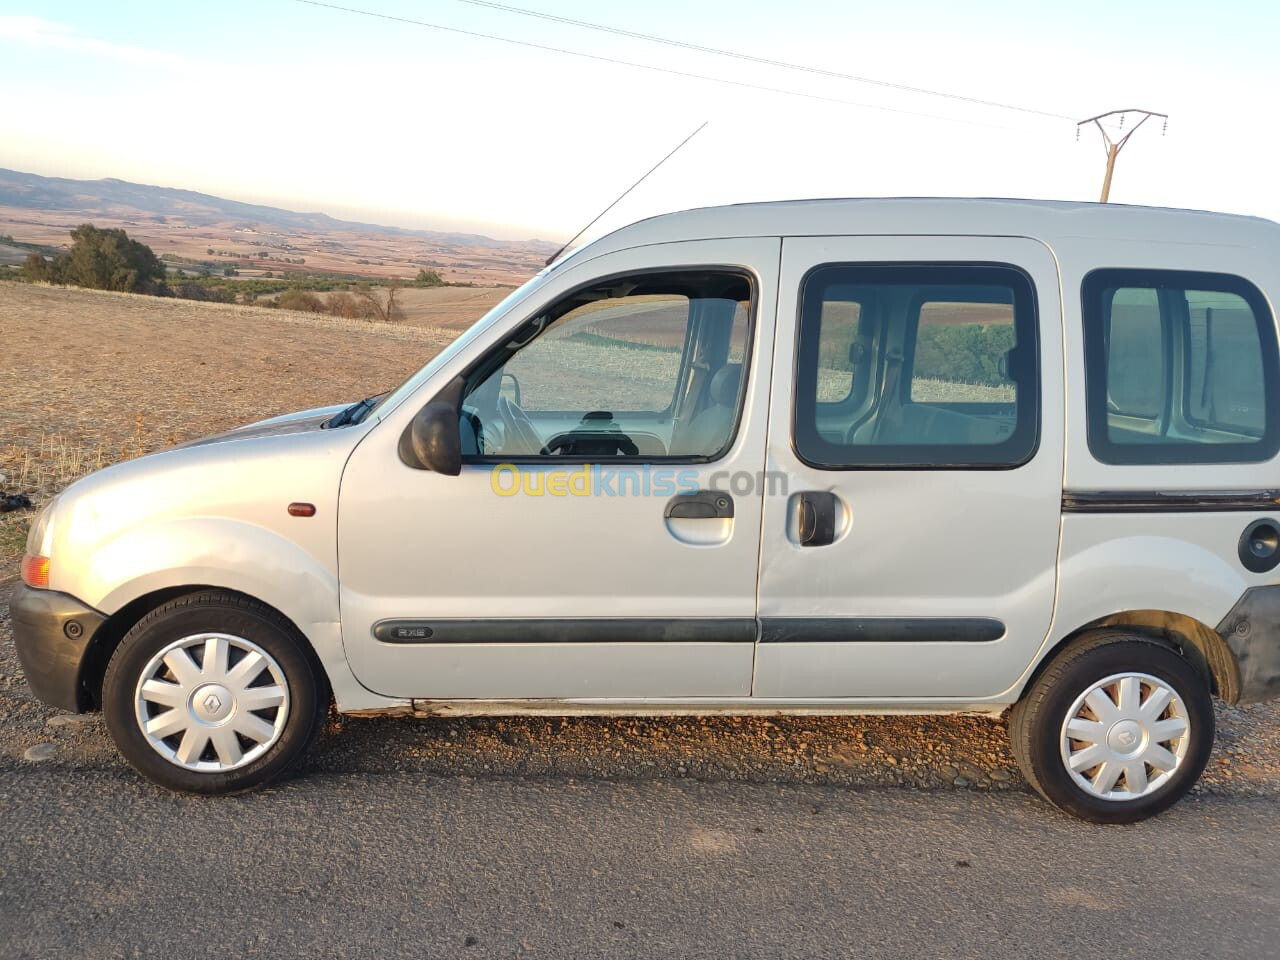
x: 1125, y: 736
x: 212, y: 702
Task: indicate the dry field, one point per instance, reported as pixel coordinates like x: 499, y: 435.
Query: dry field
x: 375, y: 255
x: 90, y: 378
x: 448, y: 310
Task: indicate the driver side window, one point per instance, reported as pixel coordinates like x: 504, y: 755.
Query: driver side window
x: 648, y: 366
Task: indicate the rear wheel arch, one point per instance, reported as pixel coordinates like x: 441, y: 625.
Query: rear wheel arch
x: 1195, y: 642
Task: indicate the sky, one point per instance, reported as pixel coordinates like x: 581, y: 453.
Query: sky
x: 312, y: 108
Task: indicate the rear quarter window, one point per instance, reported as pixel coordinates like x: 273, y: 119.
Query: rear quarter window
x: 1180, y: 367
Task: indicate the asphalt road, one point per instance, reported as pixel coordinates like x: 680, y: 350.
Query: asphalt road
x: 353, y: 863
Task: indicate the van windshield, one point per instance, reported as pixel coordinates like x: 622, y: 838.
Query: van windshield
x: 397, y: 396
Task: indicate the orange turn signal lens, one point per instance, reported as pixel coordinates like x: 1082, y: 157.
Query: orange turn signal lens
x: 35, y: 571
x: 302, y: 509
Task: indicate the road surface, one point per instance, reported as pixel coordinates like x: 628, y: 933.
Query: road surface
x: 396, y: 863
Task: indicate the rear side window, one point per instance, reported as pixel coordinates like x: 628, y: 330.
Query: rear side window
x: 931, y: 366
x: 1180, y: 368
x: 1137, y: 372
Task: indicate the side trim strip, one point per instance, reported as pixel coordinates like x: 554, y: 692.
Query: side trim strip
x: 1170, y: 501
x: 539, y: 630
x: 880, y: 630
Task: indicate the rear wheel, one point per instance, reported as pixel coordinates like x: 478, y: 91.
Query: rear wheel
x: 212, y: 693
x: 1115, y: 730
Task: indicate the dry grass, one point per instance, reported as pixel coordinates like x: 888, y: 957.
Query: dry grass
x: 48, y: 466
x: 104, y: 369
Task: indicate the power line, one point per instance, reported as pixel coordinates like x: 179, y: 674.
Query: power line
x: 656, y: 69
x: 751, y: 58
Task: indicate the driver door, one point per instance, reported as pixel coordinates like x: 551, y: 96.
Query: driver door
x: 602, y: 538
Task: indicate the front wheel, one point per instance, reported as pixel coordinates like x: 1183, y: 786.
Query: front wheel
x: 212, y: 693
x: 1115, y: 730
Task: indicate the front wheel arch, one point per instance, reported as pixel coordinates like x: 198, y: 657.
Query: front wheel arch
x: 117, y: 626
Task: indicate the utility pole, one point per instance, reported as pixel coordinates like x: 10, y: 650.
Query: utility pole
x: 1113, y: 147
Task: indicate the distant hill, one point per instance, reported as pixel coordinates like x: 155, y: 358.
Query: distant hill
x: 120, y: 198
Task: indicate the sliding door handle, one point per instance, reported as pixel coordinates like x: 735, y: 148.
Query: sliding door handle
x: 816, y: 512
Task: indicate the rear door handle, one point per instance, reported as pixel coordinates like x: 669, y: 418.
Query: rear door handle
x: 702, y: 505
x: 816, y: 511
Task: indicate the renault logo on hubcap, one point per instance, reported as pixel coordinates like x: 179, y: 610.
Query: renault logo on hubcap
x: 213, y: 703
x: 1126, y: 737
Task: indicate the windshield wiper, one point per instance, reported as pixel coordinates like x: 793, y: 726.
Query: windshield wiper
x: 354, y: 413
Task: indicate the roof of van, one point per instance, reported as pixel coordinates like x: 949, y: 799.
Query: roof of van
x: 1040, y: 219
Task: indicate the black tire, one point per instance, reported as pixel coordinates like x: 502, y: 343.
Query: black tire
x: 1036, y: 724
x: 214, y: 612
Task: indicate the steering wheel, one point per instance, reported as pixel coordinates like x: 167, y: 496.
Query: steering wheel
x: 477, y: 429
x: 521, y: 436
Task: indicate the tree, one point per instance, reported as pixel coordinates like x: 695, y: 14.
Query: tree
x: 109, y: 260
x: 383, y: 312
x: 37, y: 268
x: 349, y: 307
x: 194, y: 291
x: 429, y: 278
x: 295, y: 298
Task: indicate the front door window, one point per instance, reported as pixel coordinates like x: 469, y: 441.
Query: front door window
x: 647, y: 367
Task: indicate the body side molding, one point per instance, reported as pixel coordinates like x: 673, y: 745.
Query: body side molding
x: 880, y: 630
x: 557, y: 630
x: 1170, y: 501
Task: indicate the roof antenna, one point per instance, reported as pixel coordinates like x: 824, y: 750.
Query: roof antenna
x: 556, y: 256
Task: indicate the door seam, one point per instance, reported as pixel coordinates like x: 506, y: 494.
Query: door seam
x: 764, y: 464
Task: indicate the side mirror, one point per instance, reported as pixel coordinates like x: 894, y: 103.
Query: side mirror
x: 431, y: 441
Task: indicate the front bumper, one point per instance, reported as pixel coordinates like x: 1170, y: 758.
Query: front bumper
x: 53, y: 633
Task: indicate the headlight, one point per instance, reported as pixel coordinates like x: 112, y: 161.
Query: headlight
x: 35, y: 562
x: 38, y: 536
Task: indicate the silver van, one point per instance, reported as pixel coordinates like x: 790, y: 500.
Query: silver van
x: 819, y: 457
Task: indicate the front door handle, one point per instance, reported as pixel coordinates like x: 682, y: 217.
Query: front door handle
x: 702, y: 505
x: 816, y: 511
